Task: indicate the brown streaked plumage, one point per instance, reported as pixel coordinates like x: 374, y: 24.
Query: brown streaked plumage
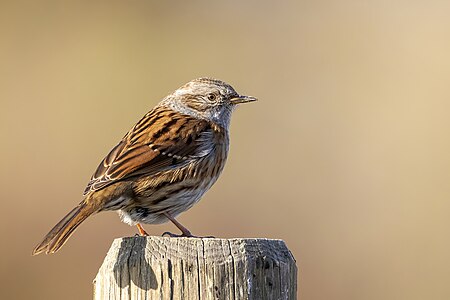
x: 163, y: 165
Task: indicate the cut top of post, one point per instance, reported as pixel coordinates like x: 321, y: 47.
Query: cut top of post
x: 196, y: 268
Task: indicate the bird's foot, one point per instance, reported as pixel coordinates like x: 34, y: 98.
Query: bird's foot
x: 184, y: 231
x: 169, y: 234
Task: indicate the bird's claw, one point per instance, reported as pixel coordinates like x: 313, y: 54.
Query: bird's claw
x: 169, y: 234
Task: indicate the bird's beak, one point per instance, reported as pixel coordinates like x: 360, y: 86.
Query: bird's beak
x: 242, y: 99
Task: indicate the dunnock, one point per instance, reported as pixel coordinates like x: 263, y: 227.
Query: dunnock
x: 163, y: 165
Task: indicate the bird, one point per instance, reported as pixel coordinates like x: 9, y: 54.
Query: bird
x: 163, y: 165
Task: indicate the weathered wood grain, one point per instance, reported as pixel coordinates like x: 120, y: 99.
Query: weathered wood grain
x: 194, y: 268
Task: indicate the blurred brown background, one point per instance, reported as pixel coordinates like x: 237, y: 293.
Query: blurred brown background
x: 345, y: 156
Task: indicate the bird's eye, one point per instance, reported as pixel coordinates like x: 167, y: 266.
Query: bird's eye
x: 212, y: 97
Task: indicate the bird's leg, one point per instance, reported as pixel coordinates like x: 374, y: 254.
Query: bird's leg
x: 185, y: 232
x: 142, y: 232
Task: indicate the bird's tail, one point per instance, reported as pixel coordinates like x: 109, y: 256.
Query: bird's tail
x: 59, y: 234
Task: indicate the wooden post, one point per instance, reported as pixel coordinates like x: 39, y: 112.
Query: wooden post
x: 196, y: 268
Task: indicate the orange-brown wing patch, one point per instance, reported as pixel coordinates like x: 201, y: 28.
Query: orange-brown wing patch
x: 162, y: 140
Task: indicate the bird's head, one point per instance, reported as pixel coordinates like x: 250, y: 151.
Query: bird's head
x: 207, y: 98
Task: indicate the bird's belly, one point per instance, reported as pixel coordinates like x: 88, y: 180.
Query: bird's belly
x: 173, y: 200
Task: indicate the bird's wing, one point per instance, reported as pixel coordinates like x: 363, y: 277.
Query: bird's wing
x: 163, y: 139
